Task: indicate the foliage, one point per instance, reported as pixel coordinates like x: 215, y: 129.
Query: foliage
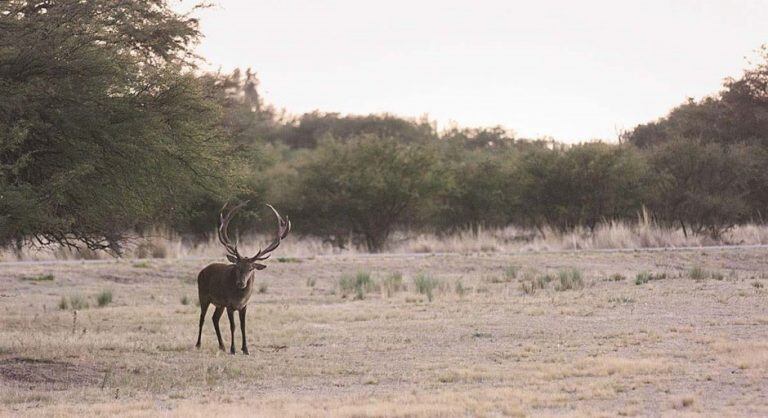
x: 103, y: 129
x: 362, y: 188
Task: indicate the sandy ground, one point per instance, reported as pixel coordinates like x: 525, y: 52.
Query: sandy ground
x: 692, y: 340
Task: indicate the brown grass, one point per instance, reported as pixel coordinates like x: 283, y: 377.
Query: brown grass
x: 672, y: 346
x: 161, y: 244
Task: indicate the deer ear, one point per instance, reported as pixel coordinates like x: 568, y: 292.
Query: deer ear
x: 258, y: 266
x: 232, y: 258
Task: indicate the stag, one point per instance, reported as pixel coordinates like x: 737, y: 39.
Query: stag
x: 229, y: 286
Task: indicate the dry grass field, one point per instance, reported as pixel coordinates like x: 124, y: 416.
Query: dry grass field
x: 589, y: 333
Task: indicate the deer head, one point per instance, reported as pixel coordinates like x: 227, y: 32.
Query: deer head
x: 246, y: 265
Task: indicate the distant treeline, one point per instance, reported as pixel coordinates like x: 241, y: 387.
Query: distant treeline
x: 106, y: 129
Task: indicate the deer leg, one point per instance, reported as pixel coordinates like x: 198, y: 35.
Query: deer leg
x: 216, y: 316
x: 231, y: 316
x: 242, y: 329
x: 203, y: 310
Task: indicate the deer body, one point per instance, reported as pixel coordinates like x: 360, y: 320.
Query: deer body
x: 217, y: 285
x: 229, y: 286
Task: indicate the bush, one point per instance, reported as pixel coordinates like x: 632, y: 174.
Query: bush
x: 63, y: 304
x: 425, y: 285
x: 184, y: 300
x: 104, y: 298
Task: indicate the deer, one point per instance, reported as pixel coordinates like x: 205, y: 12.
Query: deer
x: 229, y: 286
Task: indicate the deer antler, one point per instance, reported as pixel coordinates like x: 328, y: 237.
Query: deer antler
x: 224, y: 219
x: 283, y: 227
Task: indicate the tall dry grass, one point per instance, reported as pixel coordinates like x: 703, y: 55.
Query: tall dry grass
x: 611, y: 235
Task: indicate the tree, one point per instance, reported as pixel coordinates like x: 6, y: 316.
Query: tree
x: 701, y: 186
x: 103, y: 128
x: 363, y: 188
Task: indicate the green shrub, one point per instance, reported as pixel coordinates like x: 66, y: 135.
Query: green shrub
x: 184, y: 300
x: 104, y: 298
x: 425, y: 285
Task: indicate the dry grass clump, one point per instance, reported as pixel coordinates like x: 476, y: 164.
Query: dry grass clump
x: 570, y: 279
x: 76, y: 302
x: 425, y: 285
x: 698, y: 273
x: 104, y: 298
x: 393, y: 284
x: 644, y: 277
x: 38, y: 278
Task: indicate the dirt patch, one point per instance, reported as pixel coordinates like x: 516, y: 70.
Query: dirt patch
x: 58, y: 375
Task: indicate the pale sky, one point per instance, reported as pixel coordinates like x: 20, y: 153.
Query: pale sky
x: 573, y: 70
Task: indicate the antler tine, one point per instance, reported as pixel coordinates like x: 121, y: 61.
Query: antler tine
x: 224, y: 219
x: 283, y: 227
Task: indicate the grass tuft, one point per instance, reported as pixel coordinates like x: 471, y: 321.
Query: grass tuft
x: 185, y: 300
x: 425, y: 285
x: 39, y: 278
x: 393, y: 284
x: 644, y: 277
x: 104, y: 298
x: 570, y: 279
x: 360, y: 284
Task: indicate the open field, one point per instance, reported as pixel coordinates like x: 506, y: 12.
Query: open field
x: 628, y: 333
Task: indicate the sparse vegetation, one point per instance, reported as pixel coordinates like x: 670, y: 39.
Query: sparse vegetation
x: 262, y: 288
x: 570, y: 279
x: 616, y: 277
x: 534, y: 282
x: 142, y: 265
x: 104, y: 298
x: 460, y: 289
x: 311, y: 281
x: 77, y: 302
x: 393, y: 284
x: 359, y: 284
x: 185, y: 300
x: 698, y: 273
x: 63, y: 304
x: 288, y: 260
x: 425, y: 285
x: 644, y: 277
x: 39, y: 278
